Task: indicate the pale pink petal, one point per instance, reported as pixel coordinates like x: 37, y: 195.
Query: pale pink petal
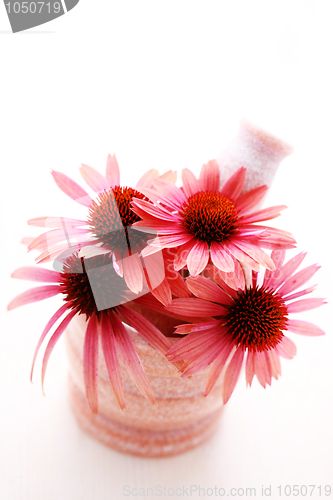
x: 170, y: 175
x: 305, y: 305
x: 169, y: 194
x: 275, y: 363
x: 133, y: 273
x: 94, y: 179
x: 156, y: 211
x: 301, y: 293
x: 262, y: 368
x: 56, y: 222
x: 277, y: 257
x: 178, y: 286
x: 196, y: 307
x: 202, y: 357
x: 210, y: 176
x: 34, y: 295
x: 111, y: 360
x: 147, y: 179
x: 298, y: 279
x: 27, y: 240
x: 232, y: 188
x: 131, y: 359
x: 249, y: 200
x: 53, y: 340
x: 198, y: 258
x: 36, y: 274
x: 240, y: 255
x: 282, y: 273
x: 304, y: 328
x: 256, y: 253
x: 190, y: 182
x: 60, y: 253
x: 71, y: 188
x: 204, y: 288
x: 91, y: 251
x: 286, y: 348
x: 51, y: 238
x: 229, y: 282
x: 162, y: 292
x: 90, y: 363
x: 232, y: 374
x: 206, y: 336
x: 146, y: 329
x: 250, y: 367
x: 182, y: 254
x: 46, y: 330
x: 264, y: 214
x: 112, y: 171
x: 221, y: 258
x: 217, y: 367
x: 166, y: 242
x: 155, y: 269
x: 117, y: 262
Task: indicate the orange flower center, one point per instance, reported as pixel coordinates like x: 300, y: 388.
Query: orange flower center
x: 257, y: 319
x: 209, y: 216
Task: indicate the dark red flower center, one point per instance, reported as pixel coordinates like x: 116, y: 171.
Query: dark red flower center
x: 91, y: 285
x: 111, y: 218
x: 209, y: 216
x: 257, y: 319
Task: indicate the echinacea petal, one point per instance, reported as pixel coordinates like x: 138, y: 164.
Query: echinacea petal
x: 34, y: 295
x: 210, y: 176
x: 221, y: 258
x: 71, y: 188
x: 256, y: 253
x: 286, y: 348
x: 131, y: 359
x: 112, y: 171
x: 53, y: 340
x: 264, y: 214
x: 55, y: 222
x: 284, y: 272
x: 249, y: 200
x: 232, y: 188
x: 170, y: 175
x: 196, y: 307
x: 305, y: 305
x: 133, y: 273
x: 111, y: 360
x: 242, y: 256
x: 147, y: 179
x: 232, y: 374
x: 204, y: 288
x: 46, y: 330
x: 275, y: 363
x: 304, y: 328
x: 217, y: 367
x: 36, y: 274
x: 277, y: 257
x: 297, y: 280
x: 90, y: 363
x: 250, y: 368
x: 190, y: 182
x: 94, y: 179
x: 169, y: 194
x: 198, y: 257
x: 262, y: 368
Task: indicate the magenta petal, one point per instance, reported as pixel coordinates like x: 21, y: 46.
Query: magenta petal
x: 190, y: 182
x: 198, y: 257
x: 71, y: 188
x: 131, y: 359
x: 147, y: 179
x: 210, y: 176
x: 111, y: 360
x: 36, y: 274
x: 146, y: 329
x: 94, y: 179
x: 34, y: 295
x: 90, y: 363
x: 262, y: 368
x: 112, y: 171
x: 53, y: 340
x: 232, y: 374
x: 304, y: 328
x: 232, y: 188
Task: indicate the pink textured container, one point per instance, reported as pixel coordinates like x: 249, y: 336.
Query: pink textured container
x: 183, y: 419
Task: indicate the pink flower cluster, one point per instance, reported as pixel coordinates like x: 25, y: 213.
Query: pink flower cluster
x: 196, y: 254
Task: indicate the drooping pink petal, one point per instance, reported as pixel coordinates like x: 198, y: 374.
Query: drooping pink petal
x: 262, y: 368
x: 34, y: 295
x: 264, y: 214
x: 169, y: 194
x: 203, y: 357
x: 162, y: 292
x: 210, y: 176
x: 91, y: 251
x: 255, y: 253
x: 156, y: 211
x: 249, y: 200
x: 250, y: 368
x: 94, y: 179
x: 217, y: 366
x: 232, y: 374
x: 229, y: 282
x: 166, y: 242
x: 131, y: 359
x: 111, y: 359
x: 90, y: 363
x: 240, y: 255
x: 155, y: 270
x: 27, y: 240
x: 61, y: 252
x: 221, y: 258
x: 286, y: 348
x: 112, y: 171
x: 275, y: 363
x: 71, y: 188
x: 170, y: 175
x: 178, y: 286
x: 277, y: 257
x: 53, y: 340
x: 232, y: 188
x: 147, y: 179
x: 304, y: 328
x: 55, y: 222
x: 198, y: 257
x: 181, y: 255
x: 196, y: 307
x: 204, y: 288
x: 146, y: 329
x: 133, y: 273
x: 36, y: 274
x: 298, y: 279
x: 190, y: 182
x: 282, y: 273
x: 301, y: 293
x: 183, y: 348
x: 305, y: 305
x: 117, y: 262
x: 188, y: 327
x: 46, y: 330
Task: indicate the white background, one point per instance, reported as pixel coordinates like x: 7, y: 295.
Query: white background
x: 163, y: 85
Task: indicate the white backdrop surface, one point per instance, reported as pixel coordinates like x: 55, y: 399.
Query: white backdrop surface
x: 163, y: 85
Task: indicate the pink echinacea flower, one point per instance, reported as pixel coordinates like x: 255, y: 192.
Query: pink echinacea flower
x: 246, y: 323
